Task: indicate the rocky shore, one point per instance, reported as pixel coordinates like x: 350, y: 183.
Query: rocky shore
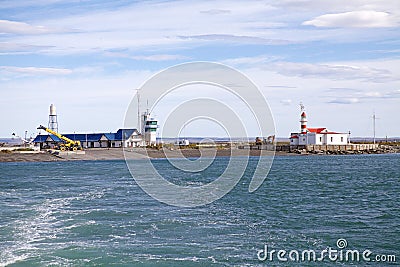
x: 383, y: 149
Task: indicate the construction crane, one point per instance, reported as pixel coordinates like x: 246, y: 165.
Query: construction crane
x: 68, y: 145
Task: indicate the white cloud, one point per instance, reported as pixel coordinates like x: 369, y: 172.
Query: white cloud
x: 373, y: 94
x: 157, y: 25
x: 34, y: 70
x: 391, y: 94
x: 394, y: 94
x: 216, y: 11
x: 286, y: 102
x: 7, y: 26
x: 155, y: 57
x: 15, y: 48
x: 231, y: 38
x: 161, y: 57
x: 337, y: 5
x: 332, y: 71
x: 356, y: 70
x: 355, y: 19
x: 249, y: 61
x: 344, y: 101
x: 152, y: 24
x: 30, y: 3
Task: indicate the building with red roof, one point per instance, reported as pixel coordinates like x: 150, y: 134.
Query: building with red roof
x: 316, y: 136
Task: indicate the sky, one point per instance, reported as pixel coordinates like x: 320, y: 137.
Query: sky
x: 339, y: 58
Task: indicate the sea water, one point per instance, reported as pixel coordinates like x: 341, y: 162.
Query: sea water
x: 92, y: 213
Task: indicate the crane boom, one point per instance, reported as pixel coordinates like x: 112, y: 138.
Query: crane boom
x: 69, y: 143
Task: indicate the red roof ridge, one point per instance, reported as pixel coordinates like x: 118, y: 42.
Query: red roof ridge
x: 332, y: 133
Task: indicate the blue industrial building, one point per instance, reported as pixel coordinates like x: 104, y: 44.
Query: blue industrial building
x: 121, y: 138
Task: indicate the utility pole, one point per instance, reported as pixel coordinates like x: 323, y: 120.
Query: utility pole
x: 26, y: 132
x: 374, y: 118
x: 373, y: 122
x: 138, y: 110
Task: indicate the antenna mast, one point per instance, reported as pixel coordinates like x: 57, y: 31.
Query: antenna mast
x: 374, y: 118
x: 138, y: 110
x: 373, y: 122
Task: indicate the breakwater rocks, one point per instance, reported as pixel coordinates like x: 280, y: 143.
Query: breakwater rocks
x: 346, y: 150
x: 329, y: 149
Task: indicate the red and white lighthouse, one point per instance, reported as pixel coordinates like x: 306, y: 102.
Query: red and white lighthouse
x: 303, y: 123
x: 315, y: 136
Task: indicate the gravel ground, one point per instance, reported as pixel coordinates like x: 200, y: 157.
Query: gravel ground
x: 117, y: 154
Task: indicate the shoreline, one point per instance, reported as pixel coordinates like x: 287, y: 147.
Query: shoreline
x: 118, y: 154
x: 141, y: 153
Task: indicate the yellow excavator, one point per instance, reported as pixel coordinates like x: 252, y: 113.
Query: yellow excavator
x: 68, y: 143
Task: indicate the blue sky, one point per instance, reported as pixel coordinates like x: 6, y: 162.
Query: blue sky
x: 87, y: 57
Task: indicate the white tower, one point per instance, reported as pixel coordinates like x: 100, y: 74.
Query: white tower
x: 53, y: 124
x: 303, y: 120
x: 149, y: 129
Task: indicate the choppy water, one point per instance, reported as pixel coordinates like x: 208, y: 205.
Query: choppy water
x: 93, y: 214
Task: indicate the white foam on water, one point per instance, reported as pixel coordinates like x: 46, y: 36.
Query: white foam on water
x: 11, y: 259
x: 194, y: 259
x: 29, y: 233
x: 76, y: 225
x: 212, y: 259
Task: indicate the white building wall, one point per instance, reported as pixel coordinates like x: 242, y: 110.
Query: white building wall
x: 302, y: 139
x: 116, y: 144
x: 150, y: 137
x: 319, y: 139
x: 89, y: 144
x: 344, y: 139
x: 311, y: 138
x: 133, y: 141
x: 94, y: 143
x: 104, y: 141
x: 336, y: 139
x: 294, y: 141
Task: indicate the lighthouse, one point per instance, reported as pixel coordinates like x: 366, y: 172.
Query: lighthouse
x: 303, y: 123
x: 315, y: 136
